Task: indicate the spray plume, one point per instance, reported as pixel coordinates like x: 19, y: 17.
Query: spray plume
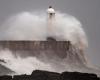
x: 32, y: 26
x: 22, y: 65
x: 38, y: 27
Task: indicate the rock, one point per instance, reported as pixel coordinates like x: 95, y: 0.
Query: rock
x: 78, y: 76
x: 46, y: 75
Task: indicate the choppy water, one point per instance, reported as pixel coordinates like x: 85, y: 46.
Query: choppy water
x: 22, y: 57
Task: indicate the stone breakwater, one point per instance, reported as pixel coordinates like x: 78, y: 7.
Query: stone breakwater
x: 35, y: 45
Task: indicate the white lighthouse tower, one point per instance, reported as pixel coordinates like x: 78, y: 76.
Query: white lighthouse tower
x: 50, y: 22
x: 51, y: 12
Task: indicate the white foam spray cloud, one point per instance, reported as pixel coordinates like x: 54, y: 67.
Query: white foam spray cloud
x: 22, y: 65
x: 36, y: 27
x: 32, y: 26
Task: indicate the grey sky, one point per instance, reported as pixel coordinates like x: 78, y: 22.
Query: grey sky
x: 87, y: 11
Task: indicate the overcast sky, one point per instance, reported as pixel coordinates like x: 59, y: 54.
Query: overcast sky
x: 87, y: 11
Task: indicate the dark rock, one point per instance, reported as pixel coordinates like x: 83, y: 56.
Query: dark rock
x: 78, y: 76
x: 21, y: 77
x: 5, y: 78
x: 46, y: 75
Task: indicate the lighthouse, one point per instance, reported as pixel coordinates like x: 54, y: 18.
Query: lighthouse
x: 51, y: 12
x: 50, y: 23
